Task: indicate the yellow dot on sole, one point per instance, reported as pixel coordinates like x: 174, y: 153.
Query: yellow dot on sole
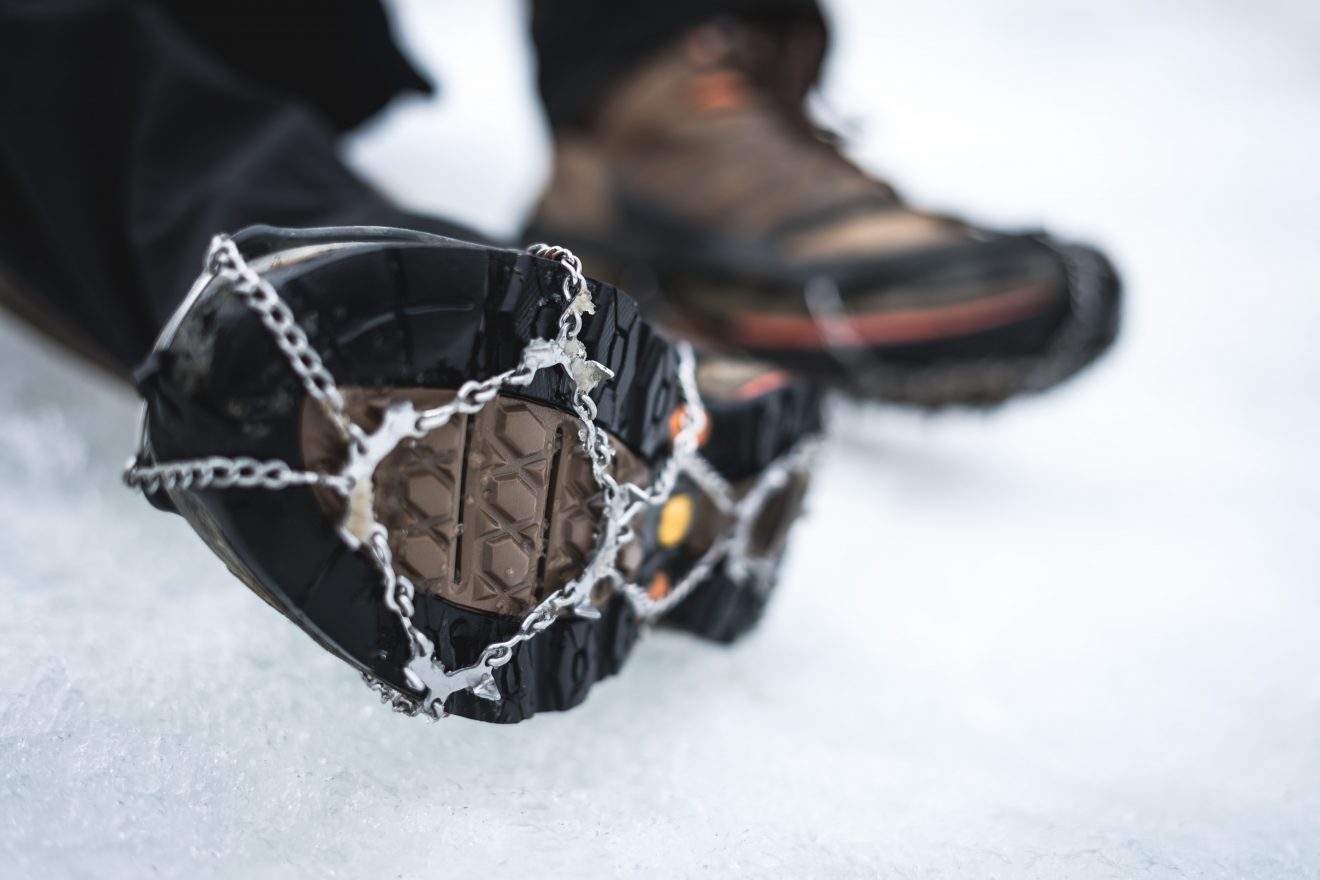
x: 675, y: 518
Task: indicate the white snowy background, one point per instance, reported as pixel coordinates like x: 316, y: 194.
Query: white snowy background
x: 1076, y: 638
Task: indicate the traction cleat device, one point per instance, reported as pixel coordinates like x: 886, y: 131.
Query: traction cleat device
x: 475, y: 546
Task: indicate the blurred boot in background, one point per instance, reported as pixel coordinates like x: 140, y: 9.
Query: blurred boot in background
x: 688, y: 170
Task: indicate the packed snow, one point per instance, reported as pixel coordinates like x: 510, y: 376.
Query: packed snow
x: 1075, y: 638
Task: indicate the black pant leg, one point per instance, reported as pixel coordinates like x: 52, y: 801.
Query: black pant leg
x: 338, y: 56
x: 124, y: 147
x: 583, y: 46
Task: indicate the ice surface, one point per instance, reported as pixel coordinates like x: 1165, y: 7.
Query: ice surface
x: 1079, y: 638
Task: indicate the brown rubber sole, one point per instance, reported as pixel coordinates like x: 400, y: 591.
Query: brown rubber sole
x: 493, y: 511
x: 496, y: 510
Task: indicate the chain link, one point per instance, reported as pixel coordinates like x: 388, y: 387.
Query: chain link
x: 260, y: 295
x: 621, y: 503
x: 217, y: 472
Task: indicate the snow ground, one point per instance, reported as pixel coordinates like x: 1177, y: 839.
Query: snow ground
x: 1078, y: 638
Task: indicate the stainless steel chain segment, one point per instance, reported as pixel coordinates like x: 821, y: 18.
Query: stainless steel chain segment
x: 224, y: 473
x: 621, y: 502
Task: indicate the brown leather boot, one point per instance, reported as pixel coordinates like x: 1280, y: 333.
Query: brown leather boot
x: 702, y: 183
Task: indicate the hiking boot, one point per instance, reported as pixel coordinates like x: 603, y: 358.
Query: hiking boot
x: 469, y: 472
x: 701, y: 180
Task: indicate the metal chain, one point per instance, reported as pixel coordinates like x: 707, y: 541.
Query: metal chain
x: 224, y: 259
x: 621, y: 502
x: 260, y: 296
x: 224, y: 473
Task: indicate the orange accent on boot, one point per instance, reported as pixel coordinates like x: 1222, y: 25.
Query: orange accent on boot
x: 891, y: 328
x: 659, y: 587
x: 763, y: 384
x: 676, y: 425
x: 719, y: 90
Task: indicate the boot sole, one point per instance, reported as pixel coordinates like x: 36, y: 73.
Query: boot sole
x: 488, y: 514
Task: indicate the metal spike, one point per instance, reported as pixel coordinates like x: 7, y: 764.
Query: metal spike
x: 487, y: 689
